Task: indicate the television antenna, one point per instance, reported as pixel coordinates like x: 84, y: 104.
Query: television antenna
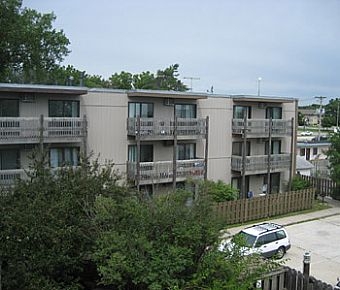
x: 191, y: 79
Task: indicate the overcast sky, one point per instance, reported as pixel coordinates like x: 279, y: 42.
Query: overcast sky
x: 293, y: 45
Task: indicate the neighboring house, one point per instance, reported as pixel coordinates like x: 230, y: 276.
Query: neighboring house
x: 303, y: 166
x: 158, y: 139
x: 315, y: 153
x: 311, y: 116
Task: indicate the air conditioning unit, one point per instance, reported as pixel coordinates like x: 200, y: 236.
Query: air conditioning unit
x: 169, y: 102
x: 27, y: 98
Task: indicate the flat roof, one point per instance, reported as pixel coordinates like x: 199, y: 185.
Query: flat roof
x: 263, y: 99
x: 49, y: 89
x: 166, y: 94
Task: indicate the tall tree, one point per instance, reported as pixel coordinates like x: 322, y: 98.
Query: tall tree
x: 29, y: 45
x: 331, y: 116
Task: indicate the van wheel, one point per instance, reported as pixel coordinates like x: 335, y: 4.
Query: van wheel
x: 280, y: 253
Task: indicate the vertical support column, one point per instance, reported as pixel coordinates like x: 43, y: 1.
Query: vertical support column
x: 269, y: 154
x: 174, y: 160
x: 243, y: 193
x: 206, y: 151
x: 293, y: 147
x: 138, y: 154
x: 84, y: 144
x: 41, y: 134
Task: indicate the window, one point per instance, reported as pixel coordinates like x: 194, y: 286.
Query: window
x: 143, y: 110
x: 146, y: 153
x: 236, y: 182
x: 274, y: 182
x: 315, y: 151
x: 185, y: 110
x: 9, y: 108
x: 302, y: 152
x: 274, y: 112
x: 186, y: 151
x: 237, y: 148
x: 9, y: 159
x: 63, y: 108
x: 240, y: 111
x: 275, y: 148
x: 64, y: 156
x: 280, y: 235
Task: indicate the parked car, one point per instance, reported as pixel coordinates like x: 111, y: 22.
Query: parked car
x: 337, y: 285
x: 267, y: 239
x: 306, y: 133
x: 322, y: 138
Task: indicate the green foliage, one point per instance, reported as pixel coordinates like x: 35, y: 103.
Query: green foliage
x: 30, y: 48
x: 331, y: 113
x: 47, y: 231
x: 333, y: 154
x: 231, y: 268
x: 166, y: 79
x: 219, y: 191
x: 153, y: 244
x: 299, y: 183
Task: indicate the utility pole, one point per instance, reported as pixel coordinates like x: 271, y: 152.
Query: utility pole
x: 191, y: 79
x: 320, y: 112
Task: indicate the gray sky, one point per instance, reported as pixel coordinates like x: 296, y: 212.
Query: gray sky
x: 293, y: 45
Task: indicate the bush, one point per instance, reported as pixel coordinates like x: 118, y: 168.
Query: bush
x: 299, y: 183
x: 219, y: 191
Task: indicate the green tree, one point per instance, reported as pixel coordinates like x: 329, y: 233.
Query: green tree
x: 166, y: 79
x: 333, y: 154
x: 153, y: 244
x: 331, y: 115
x: 30, y: 47
x: 47, y: 231
x: 219, y: 191
x: 122, y: 80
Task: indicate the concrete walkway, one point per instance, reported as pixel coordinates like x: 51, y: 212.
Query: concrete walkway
x: 299, y: 218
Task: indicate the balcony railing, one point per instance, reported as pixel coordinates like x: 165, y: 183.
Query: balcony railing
x: 162, y: 171
x: 31, y: 130
x: 260, y: 127
x: 151, y: 128
x: 259, y: 163
x: 8, y: 177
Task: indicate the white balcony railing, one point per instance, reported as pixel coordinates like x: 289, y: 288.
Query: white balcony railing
x: 259, y: 163
x: 162, y: 171
x: 150, y: 127
x: 260, y: 127
x: 30, y: 130
x: 8, y: 177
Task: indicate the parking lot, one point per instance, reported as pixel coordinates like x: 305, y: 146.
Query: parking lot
x: 322, y: 239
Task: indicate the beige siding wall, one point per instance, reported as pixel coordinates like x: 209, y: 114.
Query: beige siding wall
x: 107, y: 137
x: 219, y: 110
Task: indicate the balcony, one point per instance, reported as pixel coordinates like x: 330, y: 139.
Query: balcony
x: 8, y: 177
x: 21, y: 130
x: 259, y: 164
x: 152, y: 129
x: 162, y: 171
x: 259, y: 128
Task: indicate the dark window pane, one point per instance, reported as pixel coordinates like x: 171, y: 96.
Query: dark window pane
x: 9, y: 108
x: 9, y: 159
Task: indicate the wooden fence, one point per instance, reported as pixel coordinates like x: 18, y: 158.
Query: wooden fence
x: 323, y: 186
x: 243, y: 210
x: 290, y: 279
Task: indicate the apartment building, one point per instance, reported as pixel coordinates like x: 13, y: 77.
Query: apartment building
x: 159, y: 139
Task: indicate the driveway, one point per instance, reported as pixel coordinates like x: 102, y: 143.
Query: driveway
x: 322, y: 239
